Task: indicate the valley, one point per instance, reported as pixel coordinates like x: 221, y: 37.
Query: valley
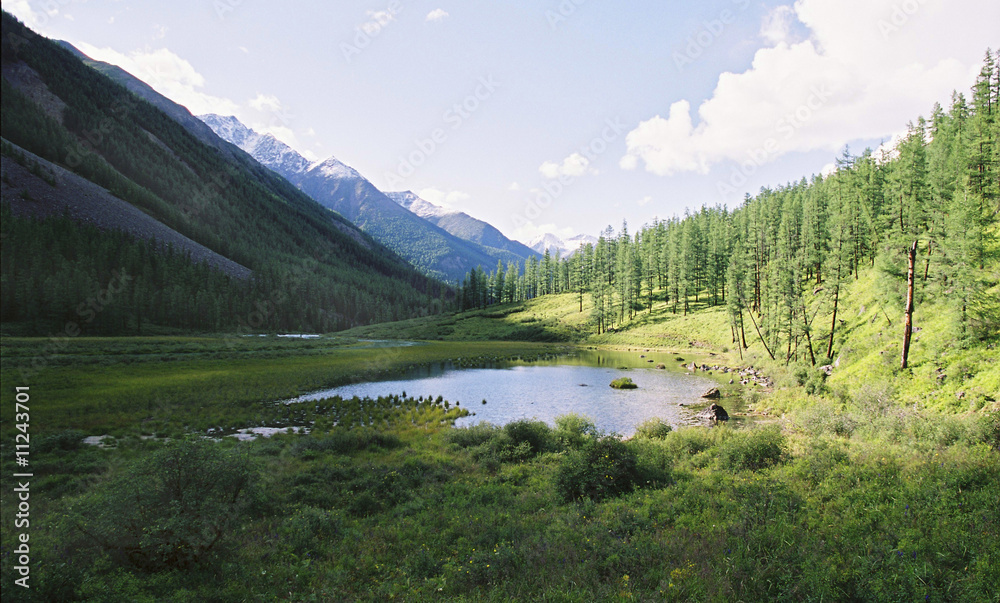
x: 232, y: 373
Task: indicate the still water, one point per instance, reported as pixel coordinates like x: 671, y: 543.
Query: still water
x: 545, y: 390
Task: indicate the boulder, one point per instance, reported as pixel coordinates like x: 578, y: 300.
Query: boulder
x: 714, y: 414
x: 712, y: 394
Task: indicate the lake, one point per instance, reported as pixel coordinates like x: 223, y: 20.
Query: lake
x: 546, y: 389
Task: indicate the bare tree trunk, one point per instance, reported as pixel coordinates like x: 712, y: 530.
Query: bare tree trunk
x: 908, y: 319
x: 836, y: 301
x: 743, y: 332
x: 833, y: 322
x: 805, y: 322
x: 759, y: 335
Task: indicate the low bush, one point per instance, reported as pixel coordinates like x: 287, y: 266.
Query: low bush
x: 69, y: 439
x: 653, y: 429
x: 823, y: 418
x: 170, y: 509
x: 605, y: 468
x: 474, y: 435
x: 753, y: 449
x: 513, y: 443
x: 345, y: 441
x: 536, y: 434
x: 573, y: 431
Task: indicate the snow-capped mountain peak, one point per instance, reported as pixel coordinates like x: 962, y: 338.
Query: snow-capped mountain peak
x: 566, y: 247
x: 265, y: 148
x: 333, y: 168
x: 419, y: 206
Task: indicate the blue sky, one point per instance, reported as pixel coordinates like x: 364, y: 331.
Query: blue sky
x: 557, y: 116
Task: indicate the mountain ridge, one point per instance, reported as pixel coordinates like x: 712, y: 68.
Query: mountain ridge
x: 337, y: 186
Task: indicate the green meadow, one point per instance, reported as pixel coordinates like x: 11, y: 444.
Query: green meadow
x: 871, y: 484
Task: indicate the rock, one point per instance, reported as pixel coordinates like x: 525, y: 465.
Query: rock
x: 712, y: 394
x: 828, y: 369
x: 642, y: 355
x: 679, y: 359
x: 960, y: 395
x: 661, y: 366
x: 714, y: 414
x: 730, y: 382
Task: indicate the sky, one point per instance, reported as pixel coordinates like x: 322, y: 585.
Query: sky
x: 561, y: 116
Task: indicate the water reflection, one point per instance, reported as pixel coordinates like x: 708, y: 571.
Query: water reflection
x: 547, y: 389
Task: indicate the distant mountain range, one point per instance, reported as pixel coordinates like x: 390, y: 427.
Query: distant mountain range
x: 130, y: 183
x: 566, y: 247
x: 442, y: 244
x: 461, y: 224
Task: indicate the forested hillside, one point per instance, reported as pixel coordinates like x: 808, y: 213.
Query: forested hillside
x: 312, y: 270
x: 927, y: 208
x: 433, y: 250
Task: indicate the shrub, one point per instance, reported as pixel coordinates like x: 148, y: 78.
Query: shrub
x: 69, y: 439
x: 474, y: 435
x: 345, y: 441
x: 825, y: 418
x: 653, y: 429
x: 604, y: 468
x: 492, y: 445
x: 874, y: 399
x: 623, y: 383
x: 987, y: 429
x: 536, y: 434
x: 573, y: 431
x: 753, y: 449
x: 168, y: 510
x: 306, y: 529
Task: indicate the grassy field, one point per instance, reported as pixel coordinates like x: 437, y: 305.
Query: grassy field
x: 872, y: 484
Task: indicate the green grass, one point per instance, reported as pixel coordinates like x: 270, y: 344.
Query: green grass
x: 874, y: 484
x: 712, y: 515
x: 150, y: 386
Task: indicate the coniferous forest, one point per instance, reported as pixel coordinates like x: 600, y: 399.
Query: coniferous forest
x: 778, y: 263
x: 792, y: 399
x: 312, y: 270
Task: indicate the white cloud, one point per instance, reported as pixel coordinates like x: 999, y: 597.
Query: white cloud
x: 168, y: 74
x: 178, y: 80
x: 573, y: 166
x: 448, y: 199
x: 265, y: 102
x: 644, y: 201
x: 777, y: 25
x: 376, y: 21
x: 23, y: 11
x: 514, y: 186
x: 437, y: 14
x: 867, y: 68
